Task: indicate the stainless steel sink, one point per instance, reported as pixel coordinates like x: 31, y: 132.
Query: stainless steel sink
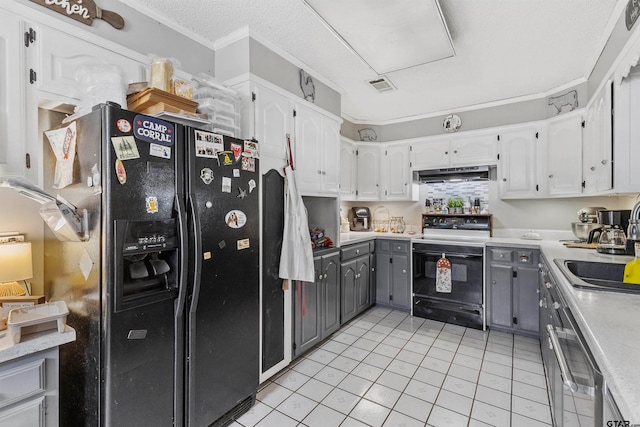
x: 596, y: 276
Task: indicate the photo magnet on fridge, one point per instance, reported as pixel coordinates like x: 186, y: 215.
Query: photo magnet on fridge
x: 125, y: 147
x: 160, y: 151
x: 243, y: 244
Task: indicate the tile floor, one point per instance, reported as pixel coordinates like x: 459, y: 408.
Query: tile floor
x: 386, y: 368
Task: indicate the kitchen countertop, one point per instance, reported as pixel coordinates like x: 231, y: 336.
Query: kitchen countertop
x: 606, y: 319
x: 363, y: 236
x: 33, y: 343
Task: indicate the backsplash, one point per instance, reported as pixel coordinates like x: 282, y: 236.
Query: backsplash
x: 440, y: 192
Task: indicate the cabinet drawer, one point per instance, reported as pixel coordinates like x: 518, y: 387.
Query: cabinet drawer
x: 383, y: 246
x: 503, y: 255
x: 354, y: 251
x: 19, y: 381
x: 400, y: 247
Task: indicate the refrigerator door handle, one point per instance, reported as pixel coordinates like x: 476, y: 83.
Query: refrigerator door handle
x: 197, y: 253
x: 184, y: 253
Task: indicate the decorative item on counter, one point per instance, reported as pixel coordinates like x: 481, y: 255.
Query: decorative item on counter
x: 37, y: 318
x: 15, y: 265
x: 443, y: 275
x: 632, y: 269
x: 397, y: 224
x: 381, y: 219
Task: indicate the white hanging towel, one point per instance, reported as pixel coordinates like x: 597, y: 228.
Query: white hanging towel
x: 296, y: 257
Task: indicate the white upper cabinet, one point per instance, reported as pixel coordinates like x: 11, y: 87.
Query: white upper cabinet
x: 317, y: 145
x: 476, y: 148
x: 431, y: 154
x: 12, y: 67
x: 626, y: 149
x: 368, y: 172
x: 62, y: 55
x: 396, y: 173
x: 273, y: 114
x: 517, y: 173
x: 597, y: 171
x: 348, y: 170
x: 564, y: 156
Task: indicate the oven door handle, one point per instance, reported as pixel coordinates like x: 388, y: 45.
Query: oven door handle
x: 450, y: 254
x: 567, y: 376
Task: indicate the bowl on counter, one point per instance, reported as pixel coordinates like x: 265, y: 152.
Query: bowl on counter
x: 582, y: 229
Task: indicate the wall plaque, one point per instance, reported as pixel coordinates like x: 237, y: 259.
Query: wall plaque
x: 84, y: 11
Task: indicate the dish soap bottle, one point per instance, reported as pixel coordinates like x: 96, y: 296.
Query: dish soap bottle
x: 632, y: 269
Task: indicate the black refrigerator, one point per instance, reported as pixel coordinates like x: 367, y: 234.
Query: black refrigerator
x: 163, y: 288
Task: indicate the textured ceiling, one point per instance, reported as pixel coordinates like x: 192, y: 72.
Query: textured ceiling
x: 504, y: 49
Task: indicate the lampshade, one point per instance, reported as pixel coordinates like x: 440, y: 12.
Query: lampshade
x: 15, y: 262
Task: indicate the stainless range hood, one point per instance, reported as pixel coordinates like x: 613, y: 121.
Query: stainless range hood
x: 471, y: 173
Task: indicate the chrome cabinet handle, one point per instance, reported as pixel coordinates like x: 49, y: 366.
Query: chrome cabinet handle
x: 504, y: 179
x: 551, y: 176
x: 404, y: 271
x: 593, y: 168
x: 603, y: 161
x: 567, y: 377
x: 325, y: 275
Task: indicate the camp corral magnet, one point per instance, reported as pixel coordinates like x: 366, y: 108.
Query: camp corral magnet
x: 153, y: 130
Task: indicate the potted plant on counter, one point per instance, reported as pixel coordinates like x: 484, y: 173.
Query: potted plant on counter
x: 456, y: 205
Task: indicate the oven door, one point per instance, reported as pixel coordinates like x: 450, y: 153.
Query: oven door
x: 463, y: 305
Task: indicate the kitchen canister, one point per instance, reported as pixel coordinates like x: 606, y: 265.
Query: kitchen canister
x: 161, y: 75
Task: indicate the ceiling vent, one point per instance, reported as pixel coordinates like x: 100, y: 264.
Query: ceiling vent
x: 382, y: 84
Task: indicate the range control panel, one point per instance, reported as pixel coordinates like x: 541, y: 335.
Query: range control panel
x: 453, y: 222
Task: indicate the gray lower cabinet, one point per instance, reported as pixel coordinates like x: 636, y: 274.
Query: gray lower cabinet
x: 512, y: 289
x: 29, y: 390
x: 354, y: 281
x: 316, y: 307
x: 393, y: 282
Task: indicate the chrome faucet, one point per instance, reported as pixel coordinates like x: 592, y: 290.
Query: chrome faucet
x: 633, y: 231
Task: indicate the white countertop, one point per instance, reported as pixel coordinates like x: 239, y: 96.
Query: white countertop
x: 363, y: 236
x: 33, y: 343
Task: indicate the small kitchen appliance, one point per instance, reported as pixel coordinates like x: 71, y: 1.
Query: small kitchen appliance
x: 612, y: 238
x: 359, y: 219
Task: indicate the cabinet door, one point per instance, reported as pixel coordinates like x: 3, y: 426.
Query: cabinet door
x: 12, y: 80
x: 329, y: 160
x: 362, y: 285
x: 400, y: 284
x: 307, y: 306
x: 308, y: 139
x: 597, y: 169
x: 478, y: 150
x: 383, y: 277
x: 368, y: 172
x: 396, y: 173
x: 564, y: 156
x: 517, y: 163
x: 29, y: 413
x: 348, y: 170
x: 500, y: 295
x: 330, y: 294
x: 63, y: 54
x: 431, y: 154
x: 348, y: 290
x: 526, y: 309
x: 274, y: 120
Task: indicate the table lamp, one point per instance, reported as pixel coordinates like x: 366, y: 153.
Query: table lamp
x: 15, y: 265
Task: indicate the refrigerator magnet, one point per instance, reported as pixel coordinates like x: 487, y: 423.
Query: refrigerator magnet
x: 123, y: 125
x: 206, y: 175
x: 226, y: 157
x: 241, y: 193
x: 235, y: 219
x: 152, y: 130
x: 249, y: 164
x: 237, y: 151
x: 152, y: 204
x: 251, y: 149
x: 252, y: 185
x: 226, y: 184
x: 236, y: 173
x: 121, y: 173
x: 125, y: 147
x: 243, y: 244
x: 161, y: 151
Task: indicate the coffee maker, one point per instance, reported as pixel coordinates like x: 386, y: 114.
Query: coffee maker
x: 613, y: 239
x: 359, y: 219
